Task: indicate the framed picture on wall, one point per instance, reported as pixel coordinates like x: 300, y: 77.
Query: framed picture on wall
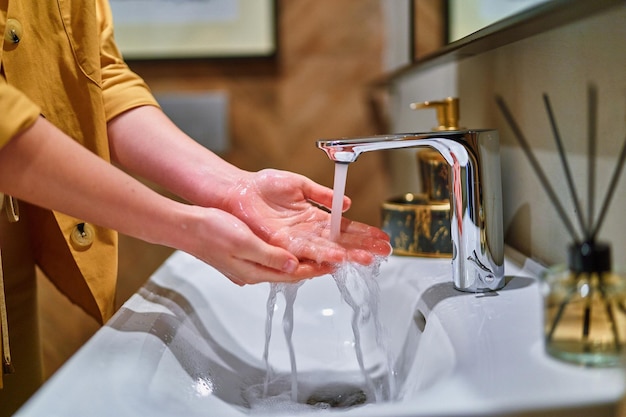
x: 165, y: 29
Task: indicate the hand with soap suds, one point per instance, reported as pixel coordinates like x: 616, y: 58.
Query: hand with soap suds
x: 283, y: 208
x: 251, y: 226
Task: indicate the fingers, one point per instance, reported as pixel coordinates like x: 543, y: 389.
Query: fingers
x: 272, y: 258
x: 318, y: 256
x: 357, y: 228
x: 238, y: 253
x: 308, y: 240
x: 257, y: 261
x: 244, y: 271
x: 357, y: 248
x: 316, y: 249
x: 309, y: 269
x: 251, y: 273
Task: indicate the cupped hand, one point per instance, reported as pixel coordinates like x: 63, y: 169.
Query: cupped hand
x: 225, y: 242
x: 283, y: 208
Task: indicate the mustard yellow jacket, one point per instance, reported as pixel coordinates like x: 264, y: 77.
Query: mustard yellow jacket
x: 59, y: 60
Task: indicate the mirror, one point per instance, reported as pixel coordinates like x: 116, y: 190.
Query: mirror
x: 448, y: 29
x: 468, y: 16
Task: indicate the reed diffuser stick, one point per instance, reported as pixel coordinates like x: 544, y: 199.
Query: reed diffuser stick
x: 592, y: 97
x: 535, y: 164
x: 566, y: 168
x: 610, y: 191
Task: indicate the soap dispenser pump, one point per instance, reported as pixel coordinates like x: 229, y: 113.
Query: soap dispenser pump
x: 447, y: 112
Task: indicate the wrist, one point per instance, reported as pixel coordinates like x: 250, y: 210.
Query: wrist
x: 220, y: 188
x: 179, y: 228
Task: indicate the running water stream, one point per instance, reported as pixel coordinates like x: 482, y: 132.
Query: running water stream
x: 358, y: 288
x: 339, y: 188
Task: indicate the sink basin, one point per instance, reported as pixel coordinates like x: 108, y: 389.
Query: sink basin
x: 191, y: 343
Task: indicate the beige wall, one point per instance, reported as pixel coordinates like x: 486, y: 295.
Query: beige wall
x: 560, y: 63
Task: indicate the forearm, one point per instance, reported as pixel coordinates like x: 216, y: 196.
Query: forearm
x: 145, y: 142
x: 47, y: 168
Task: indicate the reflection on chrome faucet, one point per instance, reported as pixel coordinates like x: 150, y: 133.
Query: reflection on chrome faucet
x: 475, y: 197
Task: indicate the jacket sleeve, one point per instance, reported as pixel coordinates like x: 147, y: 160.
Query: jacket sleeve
x: 17, y: 112
x: 122, y: 88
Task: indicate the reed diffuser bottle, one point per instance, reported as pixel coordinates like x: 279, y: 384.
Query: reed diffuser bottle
x: 585, y: 308
x: 585, y: 300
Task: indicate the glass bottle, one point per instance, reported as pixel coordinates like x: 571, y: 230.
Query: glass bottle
x: 585, y: 308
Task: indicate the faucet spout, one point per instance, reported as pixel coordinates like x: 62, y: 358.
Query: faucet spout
x: 475, y: 196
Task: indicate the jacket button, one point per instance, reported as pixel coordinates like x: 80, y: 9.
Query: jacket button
x: 82, y: 236
x: 13, y: 32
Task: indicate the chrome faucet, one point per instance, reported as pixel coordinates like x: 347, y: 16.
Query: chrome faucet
x: 475, y: 196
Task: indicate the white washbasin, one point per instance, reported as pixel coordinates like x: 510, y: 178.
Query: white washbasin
x: 191, y: 343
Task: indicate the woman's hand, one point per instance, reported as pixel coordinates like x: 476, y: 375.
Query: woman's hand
x: 283, y: 209
x: 225, y: 242
x: 275, y: 206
